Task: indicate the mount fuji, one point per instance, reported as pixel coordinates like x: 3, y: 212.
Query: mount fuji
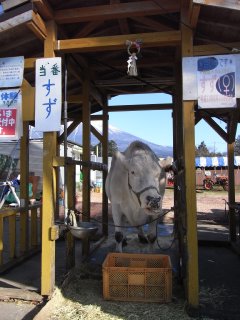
x: 122, y: 139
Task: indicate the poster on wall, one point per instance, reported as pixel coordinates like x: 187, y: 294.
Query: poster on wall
x: 48, y: 94
x: 212, y: 80
x: 216, y: 81
x: 10, y: 114
x: 11, y: 72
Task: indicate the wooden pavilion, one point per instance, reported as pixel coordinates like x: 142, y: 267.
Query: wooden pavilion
x: 91, y: 36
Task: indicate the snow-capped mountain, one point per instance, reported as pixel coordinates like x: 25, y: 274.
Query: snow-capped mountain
x: 122, y: 139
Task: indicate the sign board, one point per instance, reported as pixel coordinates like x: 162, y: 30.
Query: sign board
x: 212, y: 80
x: 10, y: 114
x: 11, y: 72
x: 48, y: 94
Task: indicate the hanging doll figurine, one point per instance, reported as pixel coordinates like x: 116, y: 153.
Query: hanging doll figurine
x: 132, y: 65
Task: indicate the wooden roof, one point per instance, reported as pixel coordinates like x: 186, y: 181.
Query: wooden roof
x: 93, y: 35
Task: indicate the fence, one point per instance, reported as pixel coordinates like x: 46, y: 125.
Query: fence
x: 20, y: 234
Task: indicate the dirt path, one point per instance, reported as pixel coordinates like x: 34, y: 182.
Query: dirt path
x: 210, y: 204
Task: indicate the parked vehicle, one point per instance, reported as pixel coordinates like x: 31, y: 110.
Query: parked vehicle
x: 218, y: 180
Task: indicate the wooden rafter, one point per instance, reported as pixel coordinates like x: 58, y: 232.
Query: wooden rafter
x: 88, y: 28
x: 154, y: 39
x: 97, y: 134
x: 215, y: 127
x: 37, y: 25
x: 215, y: 48
x: 70, y: 129
x: 229, y: 4
x: 159, y: 106
x: 44, y: 9
x: 115, y: 11
x: 122, y: 22
x: 155, y: 25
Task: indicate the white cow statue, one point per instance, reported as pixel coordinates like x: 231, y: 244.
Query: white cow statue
x: 135, y: 186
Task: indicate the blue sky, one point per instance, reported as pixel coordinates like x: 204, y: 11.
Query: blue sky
x: 156, y: 126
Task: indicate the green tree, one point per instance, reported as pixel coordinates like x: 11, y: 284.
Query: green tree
x: 112, y: 148
x: 237, y: 146
x: 5, y: 163
x: 202, y: 150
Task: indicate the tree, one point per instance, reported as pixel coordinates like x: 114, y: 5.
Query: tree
x: 237, y: 146
x: 202, y: 150
x: 112, y: 148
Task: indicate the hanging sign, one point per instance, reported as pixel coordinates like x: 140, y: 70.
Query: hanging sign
x: 10, y: 114
x: 216, y: 81
x: 48, y: 94
x: 11, y: 72
x: 212, y: 80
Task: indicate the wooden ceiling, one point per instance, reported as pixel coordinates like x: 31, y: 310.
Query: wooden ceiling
x: 92, y: 35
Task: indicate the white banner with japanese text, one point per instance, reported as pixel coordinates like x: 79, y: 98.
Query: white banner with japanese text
x: 48, y: 94
x: 10, y: 114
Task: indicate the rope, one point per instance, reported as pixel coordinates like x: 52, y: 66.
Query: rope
x: 113, y: 225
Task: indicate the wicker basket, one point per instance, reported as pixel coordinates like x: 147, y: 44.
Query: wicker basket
x: 137, y: 277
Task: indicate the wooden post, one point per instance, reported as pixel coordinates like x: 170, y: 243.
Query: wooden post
x: 231, y: 192
x: 70, y: 241
x: 49, y: 152
x: 192, y: 284
x: 86, y: 155
x: 104, y: 174
x: 24, y: 181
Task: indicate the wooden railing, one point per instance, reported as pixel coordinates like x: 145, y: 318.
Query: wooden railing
x: 20, y: 234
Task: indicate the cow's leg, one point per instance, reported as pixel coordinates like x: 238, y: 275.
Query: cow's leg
x: 118, y: 222
x: 152, y: 231
x: 152, y: 234
x: 141, y: 236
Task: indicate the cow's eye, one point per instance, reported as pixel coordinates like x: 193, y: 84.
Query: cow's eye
x: 132, y: 172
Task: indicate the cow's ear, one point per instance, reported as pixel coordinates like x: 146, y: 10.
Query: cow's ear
x: 120, y: 157
x: 166, y: 164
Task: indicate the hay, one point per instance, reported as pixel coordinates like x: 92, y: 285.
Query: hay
x: 82, y: 300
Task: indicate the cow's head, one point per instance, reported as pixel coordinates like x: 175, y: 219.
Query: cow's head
x: 146, y: 180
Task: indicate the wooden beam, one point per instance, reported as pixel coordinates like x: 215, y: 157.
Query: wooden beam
x: 115, y: 11
x: 209, y: 49
x: 154, y: 39
x: 29, y: 63
x: 134, y: 82
x: 233, y: 123
x: 194, y: 14
x: 44, y: 9
x: 97, y: 96
x: 28, y: 97
x: 10, y: 4
x: 49, y: 197
x: 70, y: 129
x: 229, y: 4
x: 77, y: 98
x: 37, y: 25
x: 192, y: 278
x: 97, y: 134
x: 88, y: 28
x: 152, y: 23
x: 166, y: 106
x: 216, y: 127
